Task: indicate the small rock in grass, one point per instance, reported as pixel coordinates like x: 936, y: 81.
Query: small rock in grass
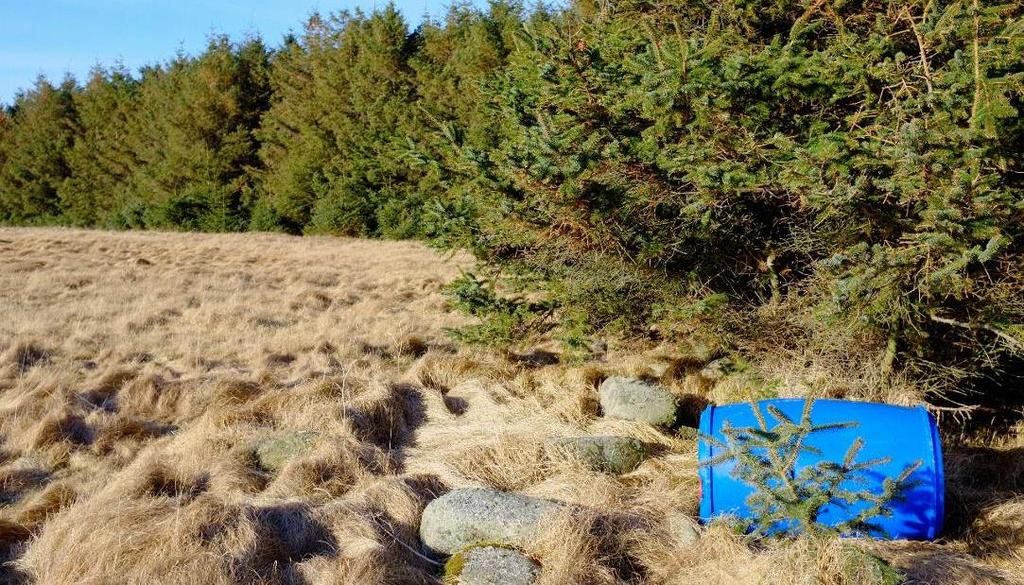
x: 633, y: 399
x: 607, y: 453
x: 274, y: 452
x: 660, y: 368
x: 683, y: 529
x: 467, y: 516
x: 490, y: 565
x: 718, y: 369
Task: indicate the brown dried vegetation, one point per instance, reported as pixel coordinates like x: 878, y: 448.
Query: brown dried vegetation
x: 133, y: 395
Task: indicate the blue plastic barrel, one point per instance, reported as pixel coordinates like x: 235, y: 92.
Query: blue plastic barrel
x: 903, y: 435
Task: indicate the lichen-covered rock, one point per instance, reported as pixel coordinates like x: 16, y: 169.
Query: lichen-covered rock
x: 660, y: 368
x: 273, y: 453
x: 718, y: 369
x: 490, y: 565
x: 633, y: 399
x: 468, y: 516
x: 682, y: 529
x: 606, y: 453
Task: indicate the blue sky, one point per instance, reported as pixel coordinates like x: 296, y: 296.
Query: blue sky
x: 51, y: 37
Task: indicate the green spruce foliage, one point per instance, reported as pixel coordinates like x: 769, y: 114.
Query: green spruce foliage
x: 630, y: 167
x: 861, y: 157
x: 791, y: 499
x: 503, y: 319
x: 39, y: 133
x: 193, y: 134
x: 336, y: 138
x: 102, y: 160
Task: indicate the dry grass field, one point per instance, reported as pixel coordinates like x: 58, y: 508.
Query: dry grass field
x: 139, y: 370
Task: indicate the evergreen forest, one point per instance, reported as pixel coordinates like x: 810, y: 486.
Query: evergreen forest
x: 821, y: 173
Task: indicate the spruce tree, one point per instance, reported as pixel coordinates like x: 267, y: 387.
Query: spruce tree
x: 663, y: 161
x: 101, y: 162
x: 336, y: 139
x: 458, y: 58
x: 37, y: 141
x: 194, y: 138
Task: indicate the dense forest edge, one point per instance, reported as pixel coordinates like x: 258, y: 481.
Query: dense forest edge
x: 839, y: 180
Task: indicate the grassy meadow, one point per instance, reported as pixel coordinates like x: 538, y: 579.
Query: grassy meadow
x: 138, y: 371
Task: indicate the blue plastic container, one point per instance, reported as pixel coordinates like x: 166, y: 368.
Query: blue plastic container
x: 904, y: 435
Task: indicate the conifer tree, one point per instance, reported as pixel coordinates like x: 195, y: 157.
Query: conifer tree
x: 660, y: 161
x: 101, y: 162
x: 193, y: 136
x: 336, y: 140
x: 457, y: 59
x: 37, y: 141
x: 293, y: 147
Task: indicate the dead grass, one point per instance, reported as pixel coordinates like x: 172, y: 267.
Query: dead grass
x: 139, y: 370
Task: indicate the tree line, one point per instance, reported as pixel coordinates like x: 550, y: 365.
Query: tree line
x: 647, y: 164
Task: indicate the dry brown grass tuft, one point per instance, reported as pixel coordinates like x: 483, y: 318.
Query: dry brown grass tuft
x: 61, y: 428
x: 141, y: 372
x: 42, y: 505
x: 571, y: 550
x: 331, y: 469
x: 24, y: 355
x: 999, y: 533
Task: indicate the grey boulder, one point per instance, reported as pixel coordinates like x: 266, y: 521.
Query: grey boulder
x: 606, y: 453
x: 491, y: 565
x: 468, y: 516
x: 633, y: 399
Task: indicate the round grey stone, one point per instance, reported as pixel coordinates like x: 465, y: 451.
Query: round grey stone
x: 607, y: 453
x: 468, y: 516
x: 633, y: 399
x: 494, y: 565
x: 273, y: 453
